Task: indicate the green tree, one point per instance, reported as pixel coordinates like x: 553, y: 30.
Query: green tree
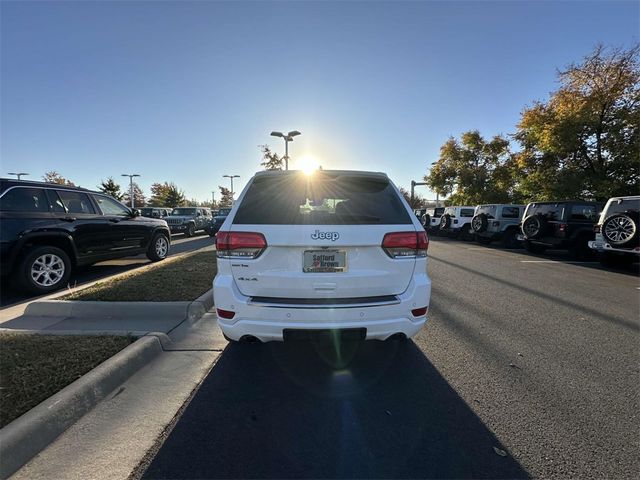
x: 159, y: 192
x: 270, y: 160
x: 585, y: 140
x: 53, y: 176
x: 110, y: 187
x: 175, y: 197
x: 472, y: 170
x: 226, y: 197
x: 138, y: 196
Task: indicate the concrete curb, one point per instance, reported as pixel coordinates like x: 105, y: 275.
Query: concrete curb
x: 200, y: 306
x: 81, y: 309
x: 158, y: 310
x: 27, y: 435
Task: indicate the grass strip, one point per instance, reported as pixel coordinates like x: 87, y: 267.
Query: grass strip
x: 181, y: 279
x: 34, y: 367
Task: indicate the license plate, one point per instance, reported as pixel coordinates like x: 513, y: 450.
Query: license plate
x: 324, y: 261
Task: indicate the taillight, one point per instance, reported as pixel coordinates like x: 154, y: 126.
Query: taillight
x: 596, y: 228
x: 240, y: 244
x: 406, y: 244
x: 419, y: 312
x: 228, y: 314
x: 562, y: 229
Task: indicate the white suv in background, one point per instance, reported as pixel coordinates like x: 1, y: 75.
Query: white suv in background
x: 617, y: 231
x: 335, y: 251
x: 456, y: 222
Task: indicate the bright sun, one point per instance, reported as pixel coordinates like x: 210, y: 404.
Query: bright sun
x: 308, y: 164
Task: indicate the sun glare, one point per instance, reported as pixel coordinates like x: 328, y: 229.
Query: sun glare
x: 308, y: 164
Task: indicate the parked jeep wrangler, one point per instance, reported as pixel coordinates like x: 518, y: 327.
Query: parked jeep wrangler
x: 155, y: 212
x: 218, y: 220
x: 431, y: 219
x: 456, y: 222
x: 189, y: 220
x: 500, y: 222
x: 560, y: 225
x: 47, y: 230
x: 616, y: 233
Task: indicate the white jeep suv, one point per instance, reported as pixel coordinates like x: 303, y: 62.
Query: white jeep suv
x: 337, y: 251
x: 617, y: 238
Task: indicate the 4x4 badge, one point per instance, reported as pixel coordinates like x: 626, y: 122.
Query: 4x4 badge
x: 318, y: 235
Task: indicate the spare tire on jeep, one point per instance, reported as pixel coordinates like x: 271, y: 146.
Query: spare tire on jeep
x: 621, y: 229
x: 426, y: 220
x: 445, y: 221
x: 480, y: 222
x: 534, y: 226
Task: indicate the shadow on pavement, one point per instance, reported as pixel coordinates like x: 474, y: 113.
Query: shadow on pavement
x: 329, y: 410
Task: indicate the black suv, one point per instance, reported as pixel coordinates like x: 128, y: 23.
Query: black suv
x: 560, y: 225
x: 46, y: 230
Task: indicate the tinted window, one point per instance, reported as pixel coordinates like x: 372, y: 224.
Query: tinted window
x: 583, y: 212
x: 24, y: 200
x: 510, y: 212
x: 466, y: 212
x: 621, y: 206
x: 553, y: 211
x: 488, y: 210
x: 323, y: 199
x: 75, y: 202
x: 109, y: 206
x: 184, y: 211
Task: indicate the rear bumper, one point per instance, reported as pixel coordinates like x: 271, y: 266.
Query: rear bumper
x: 268, y: 323
x: 602, y: 246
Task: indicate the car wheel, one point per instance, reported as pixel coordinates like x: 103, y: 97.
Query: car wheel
x: 191, y: 230
x: 510, y: 239
x: 580, y: 250
x: 621, y: 230
x: 480, y: 222
x: 534, y: 226
x: 44, y: 269
x: 483, y: 240
x: 533, y: 248
x: 159, y: 247
x: 612, y: 260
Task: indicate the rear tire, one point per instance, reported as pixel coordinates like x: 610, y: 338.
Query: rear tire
x: 483, y: 240
x: 533, y: 248
x: 510, y: 239
x: 158, y: 247
x: 44, y: 270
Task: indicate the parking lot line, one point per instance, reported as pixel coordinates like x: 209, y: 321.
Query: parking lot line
x: 571, y: 262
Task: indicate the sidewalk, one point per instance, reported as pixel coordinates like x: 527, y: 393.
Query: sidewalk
x: 113, y: 438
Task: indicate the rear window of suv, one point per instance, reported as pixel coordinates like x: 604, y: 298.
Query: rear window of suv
x: 621, y: 206
x: 488, y: 210
x: 322, y: 199
x: 553, y: 211
x: 24, y: 200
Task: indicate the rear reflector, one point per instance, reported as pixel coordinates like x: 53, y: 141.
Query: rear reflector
x: 419, y: 312
x: 406, y: 244
x: 240, y: 244
x: 225, y: 313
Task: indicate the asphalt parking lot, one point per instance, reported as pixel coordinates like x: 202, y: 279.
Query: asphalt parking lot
x: 179, y: 244
x: 528, y: 367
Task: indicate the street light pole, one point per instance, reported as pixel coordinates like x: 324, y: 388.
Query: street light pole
x: 231, y: 177
x: 131, y: 175
x: 19, y: 175
x: 287, y: 138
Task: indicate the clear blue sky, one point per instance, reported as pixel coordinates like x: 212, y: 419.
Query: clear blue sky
x: 185, y: 92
